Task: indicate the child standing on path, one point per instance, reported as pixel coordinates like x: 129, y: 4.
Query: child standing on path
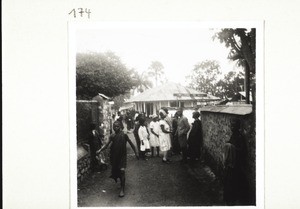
x: 144, y: 138
x: 154, y: 131
x: 136, y: 132
x: 118, y: 154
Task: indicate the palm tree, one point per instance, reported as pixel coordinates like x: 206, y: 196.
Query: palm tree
x: 156, y: 70
x: 141, y: 81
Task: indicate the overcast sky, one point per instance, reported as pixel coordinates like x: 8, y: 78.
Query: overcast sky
x: 178, y: 46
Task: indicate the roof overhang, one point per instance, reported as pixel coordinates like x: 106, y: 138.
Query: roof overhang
x: 243, y: 109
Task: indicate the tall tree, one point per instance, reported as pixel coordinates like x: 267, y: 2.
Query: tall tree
x: 242, y: 44
x: 101, y: 73
x: 140, y: 84
x: 204, y: 76
x: 141, y: 81
x: 231, y: 84
x: 119, y: 100
x: 156, y: 71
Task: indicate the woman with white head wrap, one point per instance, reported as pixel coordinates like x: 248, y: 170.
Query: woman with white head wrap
x: 164, y: 135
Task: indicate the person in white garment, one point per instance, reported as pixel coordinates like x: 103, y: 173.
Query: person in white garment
x: 144, y: 138
x: 164, y: 136
x: 154, y: 137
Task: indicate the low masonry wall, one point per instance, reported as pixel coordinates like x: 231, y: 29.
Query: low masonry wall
x: 96, y: 111
x: 86, y: 113
x: 216, y: 125
x: 83, y: 162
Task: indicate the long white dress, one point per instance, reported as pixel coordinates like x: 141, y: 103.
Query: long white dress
x: 164, y: 138
x: 154, y: 141
x: 143, y: 135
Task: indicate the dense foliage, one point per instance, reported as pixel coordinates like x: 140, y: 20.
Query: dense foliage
x: 230, y: 84
x: 242, y: 45
x: 204, y: 76
x: 101, y: 73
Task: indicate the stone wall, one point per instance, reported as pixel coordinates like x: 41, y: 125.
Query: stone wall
x: 216, y: 124
x: 97, y: 111
x: 83, y: 162
x: 86, y: 113
x: 102, y: 117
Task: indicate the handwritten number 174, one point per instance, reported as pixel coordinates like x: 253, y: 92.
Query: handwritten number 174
x: 80, y: 12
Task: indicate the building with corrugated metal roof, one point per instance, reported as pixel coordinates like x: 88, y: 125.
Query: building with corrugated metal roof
x: 171, y: 95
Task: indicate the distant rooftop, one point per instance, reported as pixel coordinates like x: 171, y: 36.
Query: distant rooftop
x: 172, y: 92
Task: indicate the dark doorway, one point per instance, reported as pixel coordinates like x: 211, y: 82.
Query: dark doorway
x: 149, y: 109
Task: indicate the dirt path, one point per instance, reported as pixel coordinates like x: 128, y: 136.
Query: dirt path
x: 152, y: 183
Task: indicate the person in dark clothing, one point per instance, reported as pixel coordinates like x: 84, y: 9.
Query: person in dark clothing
x: 95, y: 142
x: 235, y: 160
x: 175, y: 144
x: 128, y: 120
x: 118, y: 154
x: 120, y: 118
x: 230, y: 174
x: 183, y: 128
x: 195, y: 139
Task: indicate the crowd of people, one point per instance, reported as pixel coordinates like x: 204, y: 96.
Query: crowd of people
x: 162, y: 136
x: 165, y: 136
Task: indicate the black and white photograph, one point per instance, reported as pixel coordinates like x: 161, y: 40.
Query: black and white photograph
x: 150, y: 103
x: 165, y: 114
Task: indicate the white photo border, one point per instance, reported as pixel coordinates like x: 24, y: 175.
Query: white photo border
x: 260, y: 109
